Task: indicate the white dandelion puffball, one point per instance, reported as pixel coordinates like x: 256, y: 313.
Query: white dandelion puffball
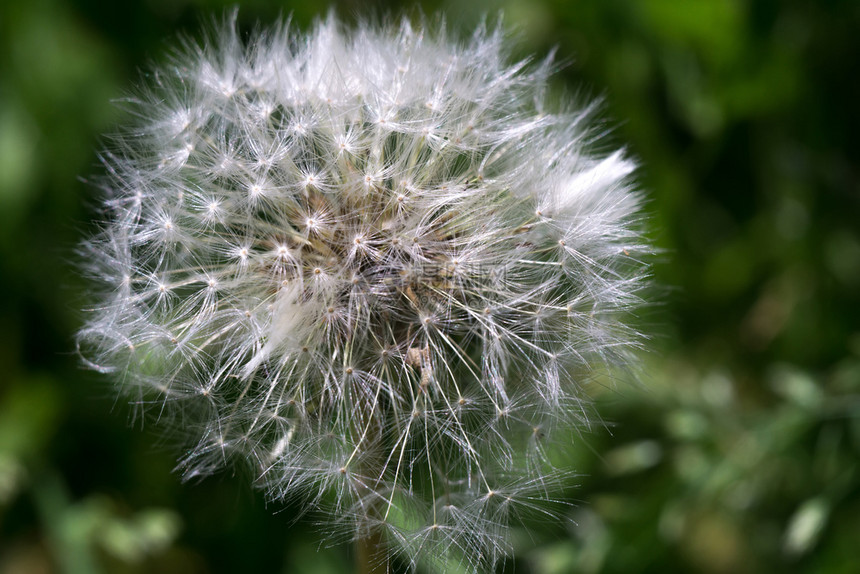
x: 369, y: 264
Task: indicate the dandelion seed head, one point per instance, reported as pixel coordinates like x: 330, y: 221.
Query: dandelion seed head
x: 383, y: 268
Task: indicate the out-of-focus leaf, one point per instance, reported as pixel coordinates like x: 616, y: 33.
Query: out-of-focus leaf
x: 17, y: 155
x: 686, y: 424
x: 796, y: 386
x: 148, y: 532
x: 634, y: 457
x: 12, y: 477
x: 806, y: 526
x: 29, y: 411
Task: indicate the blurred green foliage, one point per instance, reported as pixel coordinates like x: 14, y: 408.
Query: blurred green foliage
x: 738, y: 451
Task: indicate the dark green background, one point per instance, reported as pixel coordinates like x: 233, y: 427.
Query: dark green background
x: 738, y: 452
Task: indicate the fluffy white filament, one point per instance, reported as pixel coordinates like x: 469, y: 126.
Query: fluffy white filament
x: 369, y: 264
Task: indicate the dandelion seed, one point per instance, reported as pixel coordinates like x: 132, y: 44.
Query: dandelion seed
x: 383, y: 268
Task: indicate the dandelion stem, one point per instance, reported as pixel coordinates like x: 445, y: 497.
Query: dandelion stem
x: 370, y: 556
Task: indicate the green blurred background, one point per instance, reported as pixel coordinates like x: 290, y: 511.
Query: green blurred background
x: 737, y: 453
